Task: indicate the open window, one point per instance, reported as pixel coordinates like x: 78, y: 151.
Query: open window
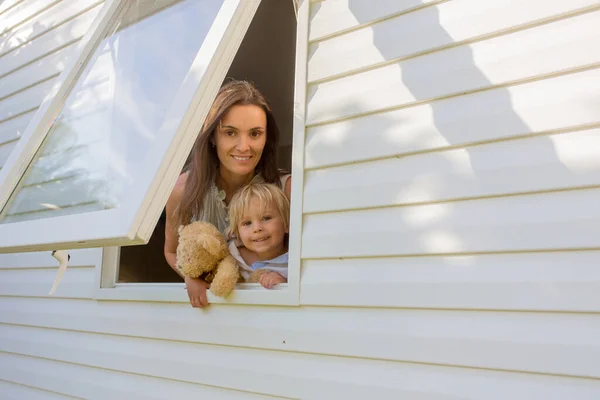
x: 98, y: 162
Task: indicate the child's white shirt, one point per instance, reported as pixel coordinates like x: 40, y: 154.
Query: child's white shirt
x: 278, y: 264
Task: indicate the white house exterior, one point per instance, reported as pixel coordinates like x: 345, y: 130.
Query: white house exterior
x: 447, y: 228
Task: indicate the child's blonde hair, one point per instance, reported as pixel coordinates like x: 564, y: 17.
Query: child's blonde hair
x: 267, y: 194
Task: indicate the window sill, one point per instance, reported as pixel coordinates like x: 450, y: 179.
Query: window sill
x: 247, y: 293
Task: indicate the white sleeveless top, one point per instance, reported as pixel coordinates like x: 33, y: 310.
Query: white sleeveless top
x: 215, y: 210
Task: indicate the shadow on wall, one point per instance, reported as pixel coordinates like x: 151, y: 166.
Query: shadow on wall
x: 451, y: 124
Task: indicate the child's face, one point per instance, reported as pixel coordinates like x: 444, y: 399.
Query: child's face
x: 262, y: 230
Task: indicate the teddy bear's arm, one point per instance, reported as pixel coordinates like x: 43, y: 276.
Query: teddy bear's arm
x: 225, y: 278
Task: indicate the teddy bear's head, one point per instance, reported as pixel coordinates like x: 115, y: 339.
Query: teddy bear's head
x: 200, y: 249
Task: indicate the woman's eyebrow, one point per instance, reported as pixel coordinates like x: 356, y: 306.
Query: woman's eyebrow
x: 256, y: 128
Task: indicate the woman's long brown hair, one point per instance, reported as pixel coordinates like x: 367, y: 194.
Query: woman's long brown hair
x: 203, y: 163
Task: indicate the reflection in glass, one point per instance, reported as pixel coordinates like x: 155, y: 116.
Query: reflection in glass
x: 95, y: 147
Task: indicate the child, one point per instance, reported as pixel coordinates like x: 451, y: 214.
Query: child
x: 259, y: 218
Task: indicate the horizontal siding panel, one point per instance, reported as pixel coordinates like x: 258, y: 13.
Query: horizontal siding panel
x: 25, y: 100
x: 76, y: 282
x: 43, y: 22
x: 79, y: 258
x: 560, y: 220
x: 32, y: 274
x: 47, y: 43
x: 433, y: 28
x: 15, y: 391
x: 94, y: 383
x: 8, y: 4
x: 540, y: 163
x: 568, y: 281
x: 280, y: 374
x: 552, y: 104
x: 23, y: 12
x: 555, y: 343
x: 459, y: 70
x: 5, y: 150
x: 332, y: 16
x: 15, y: 127
x: 41, y: 70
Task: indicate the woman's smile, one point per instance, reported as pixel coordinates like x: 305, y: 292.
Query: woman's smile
x: 242, y: 158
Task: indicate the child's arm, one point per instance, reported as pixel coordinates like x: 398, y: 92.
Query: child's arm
x: 270, y: 279
x: 267, y: 278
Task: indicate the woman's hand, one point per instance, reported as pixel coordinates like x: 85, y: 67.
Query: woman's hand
x: 196, y: 290
x: 270, y: 279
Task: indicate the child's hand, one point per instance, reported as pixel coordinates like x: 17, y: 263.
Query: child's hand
x: 270, y: 279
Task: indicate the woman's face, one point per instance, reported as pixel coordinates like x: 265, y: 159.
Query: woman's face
x: 240, y: 139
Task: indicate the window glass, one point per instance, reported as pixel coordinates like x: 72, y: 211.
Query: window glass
x: 95, y: 148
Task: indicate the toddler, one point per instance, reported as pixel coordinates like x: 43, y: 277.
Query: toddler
x: 259, y: 219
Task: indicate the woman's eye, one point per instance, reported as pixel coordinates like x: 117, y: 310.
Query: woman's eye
x: 255, y: 134
x: 229, y: 133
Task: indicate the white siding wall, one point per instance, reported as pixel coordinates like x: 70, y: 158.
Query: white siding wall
x: 452, y: 177
x: 36, y: 39
x: 450, y: 243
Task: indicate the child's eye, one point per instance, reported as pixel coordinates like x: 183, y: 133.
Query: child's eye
x: 246, y: 223
x: 267, y: 218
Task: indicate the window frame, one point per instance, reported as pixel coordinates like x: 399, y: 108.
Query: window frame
x: 26, y: 148
x: 106, y: 286
x: 134, y: 221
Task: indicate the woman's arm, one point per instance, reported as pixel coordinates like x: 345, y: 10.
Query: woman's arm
x: 171, y: 235
x: 196, y: 288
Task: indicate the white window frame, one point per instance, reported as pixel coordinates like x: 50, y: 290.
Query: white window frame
x: 288, y: 294
x: 133, y: 222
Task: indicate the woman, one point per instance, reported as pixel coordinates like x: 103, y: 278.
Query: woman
x: 237, y: 145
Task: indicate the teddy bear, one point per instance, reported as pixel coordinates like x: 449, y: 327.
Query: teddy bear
x: 202, y: 253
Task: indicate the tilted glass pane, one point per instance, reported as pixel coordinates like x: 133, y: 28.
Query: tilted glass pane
x: 92, y: 154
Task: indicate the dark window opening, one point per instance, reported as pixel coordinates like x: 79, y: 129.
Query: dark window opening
x: 266, y: 57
